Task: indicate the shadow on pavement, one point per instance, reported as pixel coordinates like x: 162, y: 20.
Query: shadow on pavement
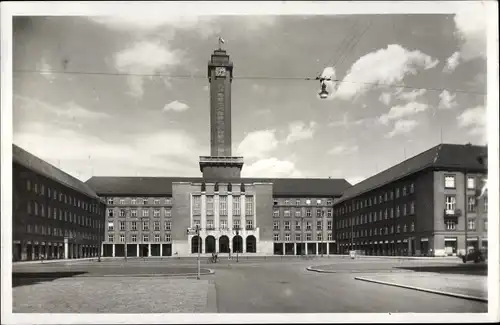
x: 30, y: 278
x: 465, y: 269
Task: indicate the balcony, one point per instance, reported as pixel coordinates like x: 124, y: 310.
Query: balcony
x: 452, y: 213
x: 250, y: 228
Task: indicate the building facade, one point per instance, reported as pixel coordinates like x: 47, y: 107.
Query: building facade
x: 54, y: 215
x: 430, y: 204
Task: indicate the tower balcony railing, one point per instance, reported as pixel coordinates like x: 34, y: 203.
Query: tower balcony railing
x: 221, y: 159
x: 452, y: 212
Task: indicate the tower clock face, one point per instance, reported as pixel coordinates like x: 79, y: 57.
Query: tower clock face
x: 220, y: 72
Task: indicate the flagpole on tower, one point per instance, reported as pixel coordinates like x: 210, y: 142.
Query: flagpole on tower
x: 221, y: 41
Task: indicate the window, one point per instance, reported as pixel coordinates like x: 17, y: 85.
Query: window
x: 223, y: 205
x: 287, y: 202
x: 168, y: 213
x: 298, y: 237
x: 298, y: 213
x: 110, y: 199
x: 412, y: 188
x: 318, y: 202
x: 276, y: 225
x: 145, y: 225
x: 449, y: 181
x: 122, y: 225
x: 398, y: 229
x: 196, y: 205
x: 110, y: 238
x: 485, y: 225
x: 28, y: 185
x: 329, y: 224
x: 386, y: 214
x: 145, y: 213
x: 392, y: 229
x: 485, y: 204
x: 308, y: 237
x: 49, y: 193
x: 133, y: 213
x: 156, y: 226
x: 412, y: 226
x: 122, y: 213
x: 249, y: 224
x: 404, y: 209
x: 168, y: 201
x: 405, y: 228
x: 370, y: 217
x: 397, y: 211
x: 287, y: 225
x: 145, y: 238
x: 391, y: 195
x: 42, y: 210
x: 308, y: 225
x: 450, y: 225
x: 168, y: 237
x: 385, y: 197
x: 156, y: 212
x: 133, y: 201
x: 319, y: 236
x: 35, y: 188
x: 249, y: 205
x: 111, y: 226
x: 386, y: 230
x: 471, y: 183
x: 472, y: 224
x: 297, y: 225
x: 276, y: 237
x: 287, y: 236
x: 329, y: 236
x: 167, y: 225
x: 145, y: 201
x: 134, y: 225
x: 55, y: 197
x: 412, y: 207
x: 404, y: 190
x: 210, y: 205
x: 196, y: 223
x: 329, y: 213
x: 471, y: 204
x: 122, y: 201
x: 319, y: 225
x: 156, y: 201
x: 110, y: 213
x: 236, y: 224
x: 318, y: 213
x: 308, y: 212
x: 157, y: 237
x: 210, y: 224
x: 397, y: 192
x: 450, y: 203
x: 223, y: 224
x: 276, y: 213
x: 122, y: 238
x: 286, y: 213
x: 134, y: 238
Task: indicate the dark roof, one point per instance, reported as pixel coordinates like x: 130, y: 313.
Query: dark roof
x: 26, y: 159
x: 307, y: 187
x: 443, y: 156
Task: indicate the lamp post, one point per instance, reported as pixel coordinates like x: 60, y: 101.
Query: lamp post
x: 199, y: 248
x: 237, y: 228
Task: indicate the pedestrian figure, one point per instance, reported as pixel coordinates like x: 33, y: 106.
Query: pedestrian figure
x: 229, y: 253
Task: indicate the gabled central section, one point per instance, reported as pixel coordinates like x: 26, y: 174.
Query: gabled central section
x: 220, y: 164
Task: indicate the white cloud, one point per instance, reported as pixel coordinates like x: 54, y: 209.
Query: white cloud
x: 385, y: 98
x: 452, y: 62
x: 175, y: 106
x: 402, y: 127
x: 412, y: 95
x: 475, y: 120
x: 397, y: 112
x: 271, y: 167
x: 447, y: 100
x: 346, y: 122
x: 298, y: 130
x: 258, y: 144
x: 471, y: 24
x: 343, y: 150
x: 83, y: 155
x: 145, y: 57
x: 388, y: 66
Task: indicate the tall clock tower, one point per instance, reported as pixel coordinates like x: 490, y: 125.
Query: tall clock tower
x: 220, y: 164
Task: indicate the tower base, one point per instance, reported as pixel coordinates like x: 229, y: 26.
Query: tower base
x: 221, y: 167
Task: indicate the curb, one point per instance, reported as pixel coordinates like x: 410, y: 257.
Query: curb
x: 443, y: 293
x: 311, y: 269
x: 210, y: 272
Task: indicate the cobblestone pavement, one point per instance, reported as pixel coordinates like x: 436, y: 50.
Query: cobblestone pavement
x: 125, y: 295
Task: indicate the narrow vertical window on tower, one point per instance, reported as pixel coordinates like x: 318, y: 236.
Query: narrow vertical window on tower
x: 196, y: 205
x: 210, y: 205
x: 236, y: 205
x: 249, y: 205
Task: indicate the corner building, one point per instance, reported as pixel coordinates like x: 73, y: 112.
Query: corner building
x: 431, y: 204
x: 54, y: 215
x: 150, y: 216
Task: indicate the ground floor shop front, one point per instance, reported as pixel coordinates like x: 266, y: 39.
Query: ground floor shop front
x: 49, y: 250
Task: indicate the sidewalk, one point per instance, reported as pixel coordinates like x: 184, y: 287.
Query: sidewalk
x: 72, y: 260
x: 469, y: 287
x: 432, y: 258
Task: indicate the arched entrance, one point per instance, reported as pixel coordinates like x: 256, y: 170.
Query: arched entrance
x: 223, y: 244
x: 210, y: 244
x: 195, y: 241
x: 251, y: 244
x: 237, y: 244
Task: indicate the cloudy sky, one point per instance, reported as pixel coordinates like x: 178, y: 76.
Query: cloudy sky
x: 117, y: 122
